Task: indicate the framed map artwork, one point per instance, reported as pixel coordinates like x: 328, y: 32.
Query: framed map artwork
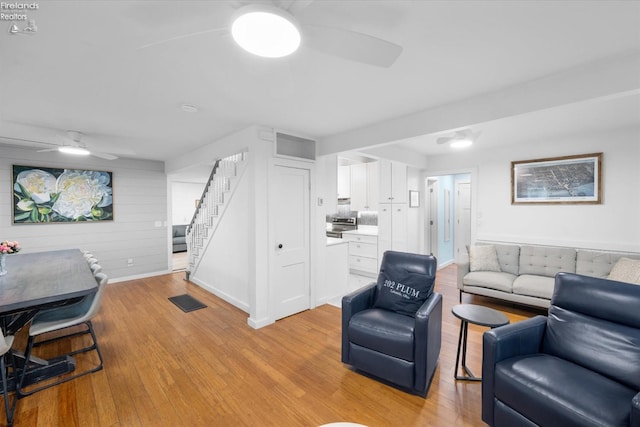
x: 560, y: 180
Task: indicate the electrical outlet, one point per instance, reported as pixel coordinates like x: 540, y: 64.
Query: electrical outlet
x: 130, y: 262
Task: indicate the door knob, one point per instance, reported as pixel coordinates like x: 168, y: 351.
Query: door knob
x: 280, y: 246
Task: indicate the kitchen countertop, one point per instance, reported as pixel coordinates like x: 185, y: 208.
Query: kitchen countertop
x: 365, y: 230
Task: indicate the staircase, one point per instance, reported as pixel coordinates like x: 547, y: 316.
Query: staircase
x: 215, y: 198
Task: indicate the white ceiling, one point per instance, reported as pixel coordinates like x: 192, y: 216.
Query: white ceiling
x: 84, y: 70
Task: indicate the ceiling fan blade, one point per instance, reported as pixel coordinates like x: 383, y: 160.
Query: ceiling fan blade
x: 31, y: 141
x: 47, y: 150
x: 220, y: 31
x: 105, y: 156
x: 295, y: 6
x: 351, y: 45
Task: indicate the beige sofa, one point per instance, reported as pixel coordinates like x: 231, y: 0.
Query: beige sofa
x: 525, y: 274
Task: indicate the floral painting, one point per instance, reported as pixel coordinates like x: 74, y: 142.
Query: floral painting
x: 46, y: 195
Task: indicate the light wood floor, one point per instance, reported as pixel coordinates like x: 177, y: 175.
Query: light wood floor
x: 180, y: 260
x: 164, y: 367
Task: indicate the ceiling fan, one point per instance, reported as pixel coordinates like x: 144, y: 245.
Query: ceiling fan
x: 459, y: 139
x: 71, y: 144
x: 339, y: 42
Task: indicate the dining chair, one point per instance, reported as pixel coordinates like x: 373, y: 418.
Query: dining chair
x: 59, y: 318
x: 95, y: 268
x: 5, y: 351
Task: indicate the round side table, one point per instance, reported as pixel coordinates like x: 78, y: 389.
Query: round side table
x: 478, y: 315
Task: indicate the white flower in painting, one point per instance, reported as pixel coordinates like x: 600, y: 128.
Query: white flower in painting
x: 81, y: 191
x: 37, y: 182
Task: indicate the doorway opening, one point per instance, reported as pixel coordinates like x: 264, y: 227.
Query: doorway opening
x: 448, y: 214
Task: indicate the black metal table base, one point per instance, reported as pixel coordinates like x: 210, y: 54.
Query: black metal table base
x: 462, y: 341
x: 39, y: 369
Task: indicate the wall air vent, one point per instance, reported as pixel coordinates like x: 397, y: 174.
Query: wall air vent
x: 294, y: 146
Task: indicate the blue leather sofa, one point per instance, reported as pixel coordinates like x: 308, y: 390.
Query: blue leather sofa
x: 578, y: 366
x: 401, y: 348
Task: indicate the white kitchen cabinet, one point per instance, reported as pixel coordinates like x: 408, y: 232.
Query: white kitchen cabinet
x: 336, y: 273
x: 373, y: 185
x: 393, y: 182
x: 364, y: 186
x: 358, y: 186
x: 393, y: 228
x: 363, y: 252
x: 344, y: 182
x: 359, y: 281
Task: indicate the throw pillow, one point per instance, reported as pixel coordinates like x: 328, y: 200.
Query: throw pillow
x: 402, y: 291
x: 626, y: 270
x: 483, y: 258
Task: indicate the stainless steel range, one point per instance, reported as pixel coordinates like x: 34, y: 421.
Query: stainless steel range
x: 338, y: 225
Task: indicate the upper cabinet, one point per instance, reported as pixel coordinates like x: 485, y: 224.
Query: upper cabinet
x: 364, y: 186
x: 393, y: 182
x: 344, y: 182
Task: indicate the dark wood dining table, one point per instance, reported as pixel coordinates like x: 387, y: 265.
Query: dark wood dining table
x: 36, y: 281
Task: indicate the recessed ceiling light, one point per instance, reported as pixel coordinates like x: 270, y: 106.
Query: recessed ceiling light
x: 266, y: 31
x: 187, y: 108
x: 78, y: 151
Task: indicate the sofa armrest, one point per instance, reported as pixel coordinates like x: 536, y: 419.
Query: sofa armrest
x: 503, y: 343
x: 635, y: 411
x: 463, y: 269
x: 428, y: 339
x: 353, y: 303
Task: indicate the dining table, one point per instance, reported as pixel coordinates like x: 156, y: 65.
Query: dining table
x: 38, y: 281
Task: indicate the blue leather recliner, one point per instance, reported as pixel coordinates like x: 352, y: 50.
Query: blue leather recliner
x: 578, y: 366
x: 397, y: 343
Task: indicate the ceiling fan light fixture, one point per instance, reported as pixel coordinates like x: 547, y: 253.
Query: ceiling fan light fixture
x: 78, y: 151
x: 461, y: 143
x: 266, y: 31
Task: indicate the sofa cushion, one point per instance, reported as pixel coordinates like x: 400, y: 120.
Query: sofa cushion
x: 543, y: 389
x: 534, y: 286
x: 483, y: 258
x: 546, y: 260
x: 383, y: 331
x: 598, y: 263
x: 490, y: 279
x: 179, y: 230
x: 509, y: 258
x: 626, y: 270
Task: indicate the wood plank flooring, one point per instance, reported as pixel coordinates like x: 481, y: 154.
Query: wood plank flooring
x: 209, y: 368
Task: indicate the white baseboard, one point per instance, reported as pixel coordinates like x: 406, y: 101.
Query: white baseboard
x: 445, y: 264
x: 257, y: 324
x: 139, y: 276
x: 222, y: 295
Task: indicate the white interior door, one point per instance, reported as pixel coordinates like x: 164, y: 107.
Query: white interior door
x: 291, y: 290
x: 462, y: 226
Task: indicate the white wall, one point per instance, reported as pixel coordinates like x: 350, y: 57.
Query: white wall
x: 139, y: 228
x: 223, y: 268
x: 183, y: 197
x: 613, y: 225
